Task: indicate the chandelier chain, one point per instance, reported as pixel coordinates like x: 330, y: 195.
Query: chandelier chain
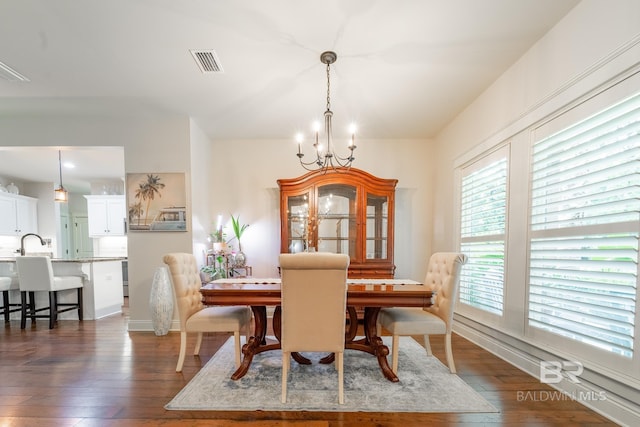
x: 329, y: 87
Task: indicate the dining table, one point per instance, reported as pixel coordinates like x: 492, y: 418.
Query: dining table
x: 370, y: 294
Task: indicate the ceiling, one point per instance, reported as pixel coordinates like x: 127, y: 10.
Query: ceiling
x: 404, y: 70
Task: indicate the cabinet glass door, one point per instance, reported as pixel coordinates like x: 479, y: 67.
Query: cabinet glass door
x: 377, y: 226
x: 336, y: 225
x: 298, y: 223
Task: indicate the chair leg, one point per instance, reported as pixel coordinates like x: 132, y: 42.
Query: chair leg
x: 285, y: 372
x: 196, y: 350
x: 449, y: 353
x: 53, y: 309
x: 32, y: 307
x: 394, y: 353
x: 427, y: 345
x: 340, y: 377
x: 183, y: 350
x: 23, y: 310
x: 236, y: 338
x: 5, y: 305
x: 80, y: 305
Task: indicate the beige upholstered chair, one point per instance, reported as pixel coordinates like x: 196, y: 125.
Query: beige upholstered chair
x: 194, y: 316
x: 314, y: 297
x: 443, y: 277
x: 35, y: 274
x: 7, y: 284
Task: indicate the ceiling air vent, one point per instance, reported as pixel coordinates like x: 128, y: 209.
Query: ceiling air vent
x: 207, y: 61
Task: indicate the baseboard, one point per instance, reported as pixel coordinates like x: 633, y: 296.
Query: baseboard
x: 108, y: 311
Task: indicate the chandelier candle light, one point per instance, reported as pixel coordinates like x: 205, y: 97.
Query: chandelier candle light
x: 327, y: 158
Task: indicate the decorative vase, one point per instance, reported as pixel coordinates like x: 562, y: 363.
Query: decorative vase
x: 219, y: 247
x: 13, y: 189
x: 161, y: 301
x: 240, y: 260
x: 205, y: 277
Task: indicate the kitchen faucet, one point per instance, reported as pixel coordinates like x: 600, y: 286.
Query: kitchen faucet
x: 30, y: 234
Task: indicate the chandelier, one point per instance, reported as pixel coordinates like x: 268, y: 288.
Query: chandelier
x: 326, y: 157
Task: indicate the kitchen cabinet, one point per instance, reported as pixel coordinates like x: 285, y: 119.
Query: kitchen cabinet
x: 106, y: 215
x: 18, y: 215
x: 350, y: 212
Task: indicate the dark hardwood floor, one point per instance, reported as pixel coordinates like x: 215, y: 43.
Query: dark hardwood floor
x: 95, y: 373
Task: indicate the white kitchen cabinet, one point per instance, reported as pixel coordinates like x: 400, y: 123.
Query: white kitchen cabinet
x: 18, y: 215
x: 106, y: 215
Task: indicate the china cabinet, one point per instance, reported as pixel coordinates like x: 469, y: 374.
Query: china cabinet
x: 349, y: 212
x: 18, y: 215
x: 106, y: 215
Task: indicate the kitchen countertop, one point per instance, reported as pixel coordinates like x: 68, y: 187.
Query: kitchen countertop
x: 79, y: 260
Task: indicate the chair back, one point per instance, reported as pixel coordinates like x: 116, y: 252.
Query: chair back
x: 35, y: 273
x: 443, y: 277
x: 314, y: 298
x: 186, y: 282
x: 5, y: 283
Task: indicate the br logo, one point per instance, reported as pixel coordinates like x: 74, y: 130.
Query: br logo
x: 552, y: 372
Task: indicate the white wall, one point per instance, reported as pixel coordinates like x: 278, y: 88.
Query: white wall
x: 202, y: 191
x: 584, y: 50
x: 595, y: 44
x: 232, y: 177
x: 151, y: 144
x: 244, y: 183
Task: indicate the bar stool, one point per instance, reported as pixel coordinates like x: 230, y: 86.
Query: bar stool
x: 8, y: 284
x: 35, y: 274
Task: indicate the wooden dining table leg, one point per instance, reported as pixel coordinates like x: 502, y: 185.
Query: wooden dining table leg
x: 372, y: 343
x: 277, y: 331
x: 380, y: 350
x: 255, y: 341
x: 349, y: 334
x: 258, y: 342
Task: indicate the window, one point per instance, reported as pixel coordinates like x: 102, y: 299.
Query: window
x: 482, y: 232
x: 585, y: 212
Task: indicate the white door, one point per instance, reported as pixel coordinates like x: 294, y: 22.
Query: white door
x: 82, y: 242
x: 65, y: 242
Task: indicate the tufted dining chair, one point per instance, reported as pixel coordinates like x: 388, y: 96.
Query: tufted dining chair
x: 443, y: 278
x: 8, y: 284
x: 194, y: 316
x: 314, y: 297
x: 35, y: 274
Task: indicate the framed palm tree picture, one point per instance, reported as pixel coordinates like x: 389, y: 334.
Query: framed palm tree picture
x: 156, y: 202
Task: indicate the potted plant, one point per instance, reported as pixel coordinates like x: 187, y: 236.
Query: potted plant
x: 238, y: 229
x: 207, y: 273
x: 218, y: 239
x: 211, y: 272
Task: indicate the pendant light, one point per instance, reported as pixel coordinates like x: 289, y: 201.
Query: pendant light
x: 60, y: 194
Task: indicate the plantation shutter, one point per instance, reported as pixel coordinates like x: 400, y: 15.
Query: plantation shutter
x: 585, y: 216
x: 482, y: 233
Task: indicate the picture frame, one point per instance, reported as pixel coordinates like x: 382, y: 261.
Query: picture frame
x: 156, y: 201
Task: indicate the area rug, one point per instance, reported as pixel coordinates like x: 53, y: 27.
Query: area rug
x: 425, y: 385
